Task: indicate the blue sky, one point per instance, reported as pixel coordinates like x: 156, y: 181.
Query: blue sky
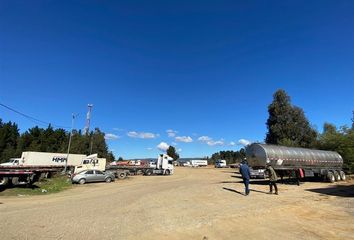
x: 204, y: 69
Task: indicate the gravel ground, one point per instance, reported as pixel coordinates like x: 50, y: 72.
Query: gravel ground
x: 202, y: 204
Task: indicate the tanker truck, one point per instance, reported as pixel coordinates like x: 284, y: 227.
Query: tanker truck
x: 288, y: 160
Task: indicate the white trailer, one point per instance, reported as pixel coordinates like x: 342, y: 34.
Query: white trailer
x: 196, y: 163
x: 45, y: 159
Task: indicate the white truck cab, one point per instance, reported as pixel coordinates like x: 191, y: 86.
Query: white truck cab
x: 12, y: 162
x: 91, y: 162
x: 220, y: 163
x: 165, y: 164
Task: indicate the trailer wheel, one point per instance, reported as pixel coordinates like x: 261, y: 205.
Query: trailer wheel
x: 82, y: 181
x: 4, y: 181
x: 336, y: 176
x: 108, y: 180
x: 148, y: 172
x: 15, y: 181
x: 167, y: 172
x: 122, y: 175
x: 342, y: 176
x: 330, y: 177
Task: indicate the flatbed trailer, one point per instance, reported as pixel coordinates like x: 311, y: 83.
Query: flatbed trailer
x: 28, y: 175
x: 130, y: 170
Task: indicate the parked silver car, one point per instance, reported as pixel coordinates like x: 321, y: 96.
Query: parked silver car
x: 92, y: 176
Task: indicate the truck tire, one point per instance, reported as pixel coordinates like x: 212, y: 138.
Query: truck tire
x: 15, y: 181
x: 336, y: 176
x: 330, y: 177
x: 122, y: 175
x: 167, y: 172
x: 108, y: 180
x: 342, y: 176
x: 4, y: 181
x: 82, y: 181
x: 148, y: 172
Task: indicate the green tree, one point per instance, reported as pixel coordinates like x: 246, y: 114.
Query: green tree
x: 341, y: 141
x: 9, y: 134
x: 287, y: 124
x: 171, y: 151
x: 229, y: 156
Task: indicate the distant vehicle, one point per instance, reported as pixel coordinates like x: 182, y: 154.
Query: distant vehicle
x: 196, y: 163
x: 163, y: 166
x: 220, y: 163
x: 257, y: 173
x: 92, y: 176
x: 12, y: 162
x: 234, y: 165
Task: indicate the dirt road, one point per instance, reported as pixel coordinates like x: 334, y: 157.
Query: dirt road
x: 192, y: 204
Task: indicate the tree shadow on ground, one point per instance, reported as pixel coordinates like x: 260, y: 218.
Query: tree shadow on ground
x: 339, y: 191
x: 233, y: 190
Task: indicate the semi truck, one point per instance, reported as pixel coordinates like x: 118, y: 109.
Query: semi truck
x: 33, y: 166
x: 295, y: 161
x: 162, y: 166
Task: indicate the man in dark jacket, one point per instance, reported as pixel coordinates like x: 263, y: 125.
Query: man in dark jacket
x: 245, y: 172
x: 272, y: 179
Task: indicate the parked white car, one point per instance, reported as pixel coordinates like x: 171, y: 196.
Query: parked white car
x: 220, y: 163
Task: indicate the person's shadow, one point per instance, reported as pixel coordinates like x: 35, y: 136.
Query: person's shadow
x: 233, y: 190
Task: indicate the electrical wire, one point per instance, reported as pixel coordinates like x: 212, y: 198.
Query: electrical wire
x: 32, y: 118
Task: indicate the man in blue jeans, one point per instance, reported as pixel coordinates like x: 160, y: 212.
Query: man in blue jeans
x: 245, y: 172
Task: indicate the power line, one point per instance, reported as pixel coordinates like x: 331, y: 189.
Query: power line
x: 32, y: 118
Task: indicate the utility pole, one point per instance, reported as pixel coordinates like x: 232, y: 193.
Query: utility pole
x: 70, y: 136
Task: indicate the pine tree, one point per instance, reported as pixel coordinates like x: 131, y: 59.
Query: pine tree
x: 287, y: 124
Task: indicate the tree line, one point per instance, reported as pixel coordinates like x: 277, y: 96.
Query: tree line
x: 37, y: 139
x: 229, y: 156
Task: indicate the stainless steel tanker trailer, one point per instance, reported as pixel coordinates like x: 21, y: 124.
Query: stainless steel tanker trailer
x: 285, y: 160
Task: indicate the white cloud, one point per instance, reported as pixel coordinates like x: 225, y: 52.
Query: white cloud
x: 149, y: 148
x: 143, y: 135
x: 232, y: 143
x: 244, y: 142
x: 204, y: 139
x: 171, y: 133
x: 174, y: 144
x: 179, y: 150
x: 163, y: 146
x: 186, y: 139
x: 215, y: 143
x: 111, y: 136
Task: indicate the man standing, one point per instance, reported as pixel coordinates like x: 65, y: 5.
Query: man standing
x: 245, y: 172
x: 272, y: 179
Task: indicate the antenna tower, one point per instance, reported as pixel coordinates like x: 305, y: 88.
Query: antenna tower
x: 88, y: 119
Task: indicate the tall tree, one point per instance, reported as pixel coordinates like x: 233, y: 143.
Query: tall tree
x: 287, y: 124
x: 9, y: 134
x: 171, y: 151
